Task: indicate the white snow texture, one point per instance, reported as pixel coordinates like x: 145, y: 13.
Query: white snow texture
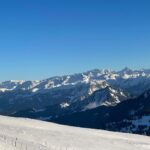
x: 27, y: 134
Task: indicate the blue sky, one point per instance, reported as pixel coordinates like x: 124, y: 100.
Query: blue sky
x: 43, y: 38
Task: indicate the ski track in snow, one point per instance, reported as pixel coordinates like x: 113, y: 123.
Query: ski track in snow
x: 27, y: 134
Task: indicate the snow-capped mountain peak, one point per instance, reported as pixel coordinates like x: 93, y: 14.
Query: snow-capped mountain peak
x: 101, y: 87
x: 86, y: 77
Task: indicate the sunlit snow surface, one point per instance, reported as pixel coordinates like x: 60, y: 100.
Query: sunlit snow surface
x: 26, y: 134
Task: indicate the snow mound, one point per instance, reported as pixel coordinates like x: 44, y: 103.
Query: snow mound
x: 27, y: 134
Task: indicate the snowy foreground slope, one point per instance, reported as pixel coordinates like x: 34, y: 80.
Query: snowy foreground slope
x: 26, y: 134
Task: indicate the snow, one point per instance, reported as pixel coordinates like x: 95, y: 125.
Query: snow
x: 3, y: 89
x: 65, y: 82
x: 64, y: 105
x: 115, y: 97
x: 27, y: 134
x: 35, y: 90
x: 86, y: 78
x: 113, y: 91
x: 91, y: 106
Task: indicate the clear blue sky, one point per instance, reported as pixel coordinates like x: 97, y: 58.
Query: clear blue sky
x: 43, y: 38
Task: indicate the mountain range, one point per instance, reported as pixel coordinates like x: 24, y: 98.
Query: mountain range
x: 103, y: 99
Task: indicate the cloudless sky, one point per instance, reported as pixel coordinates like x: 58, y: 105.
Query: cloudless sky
x: 43, y: 38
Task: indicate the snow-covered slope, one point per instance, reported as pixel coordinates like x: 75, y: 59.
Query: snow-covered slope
x: 26, y: 134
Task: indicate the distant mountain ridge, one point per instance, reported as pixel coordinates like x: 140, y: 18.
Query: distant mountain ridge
x: 58, y: 96
x: 123, y: 79
x: 78, y: 87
